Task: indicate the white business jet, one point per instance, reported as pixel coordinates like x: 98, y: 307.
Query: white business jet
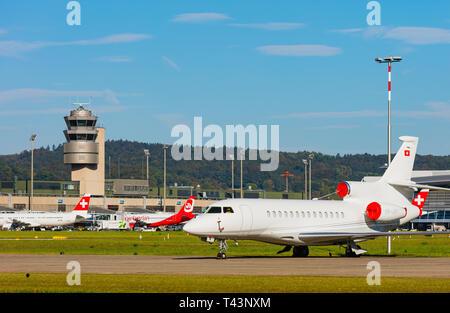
x: 368, y: 210
x: 29, y: 219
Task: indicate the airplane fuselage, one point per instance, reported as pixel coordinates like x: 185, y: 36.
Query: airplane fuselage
x: 284, y: 221
x: 36, y: 219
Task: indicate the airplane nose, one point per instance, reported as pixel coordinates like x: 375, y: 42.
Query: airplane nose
x: 192, y: 227
x: 188, y: 227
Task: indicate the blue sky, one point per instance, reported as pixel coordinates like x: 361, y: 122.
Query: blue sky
x: 307, y: 66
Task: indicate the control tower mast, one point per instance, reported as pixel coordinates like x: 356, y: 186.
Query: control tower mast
x: 85, y: 150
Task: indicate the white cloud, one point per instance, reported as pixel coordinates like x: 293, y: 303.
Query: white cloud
x: 326, y: 127
x: 36, y: 94
x: 299, y: 50
x: 200, y: 17
x: 419, y: 35
x: 13, y: 48
x: 60, y: 111
x: 348, y: 30
x: 436, y: 109
x: 271, y: 26
x: 3, y: 31
x: 171, y: 63
x: 348, y: 114
x: 409, y: 34
x: 116, y: 59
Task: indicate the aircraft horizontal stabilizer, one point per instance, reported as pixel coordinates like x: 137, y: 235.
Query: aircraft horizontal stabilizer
x: 412, y: 185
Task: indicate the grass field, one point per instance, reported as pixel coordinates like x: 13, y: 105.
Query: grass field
x: 37, y: 282
x: 180, y: 243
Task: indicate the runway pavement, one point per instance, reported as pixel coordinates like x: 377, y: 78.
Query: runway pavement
x: 151, y: 264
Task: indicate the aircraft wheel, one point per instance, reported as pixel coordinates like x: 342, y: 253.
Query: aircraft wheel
x: 300, y: 251
x: 221, y: 255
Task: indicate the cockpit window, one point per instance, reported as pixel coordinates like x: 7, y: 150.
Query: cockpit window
x: 228, y: 210
x: 214, y: 209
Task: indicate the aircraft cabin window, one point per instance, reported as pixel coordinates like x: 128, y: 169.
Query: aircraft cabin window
x: 303, y: 214
x: 308, y: 214
x: 314, y: 214
x: 215, y: 209
x: 274, y: 214
x: 320, y: 214
x: 325, y: 215
x: 296, y: 214
x: 228, y: 210
x: 291, y: 215
x: 331, y: 214
x: 342, y: 214
x: 337, y: 214
x: 280, y: 214
x: 268, y: 213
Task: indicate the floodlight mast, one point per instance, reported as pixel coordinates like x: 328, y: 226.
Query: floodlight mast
x: 389, y: 60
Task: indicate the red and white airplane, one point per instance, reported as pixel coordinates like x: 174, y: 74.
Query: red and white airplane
x: 163, y: 219
x: 367, y: 210
x: 15, y: 219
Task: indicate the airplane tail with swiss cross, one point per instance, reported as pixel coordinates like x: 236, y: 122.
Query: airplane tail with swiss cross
x: 82, y: 206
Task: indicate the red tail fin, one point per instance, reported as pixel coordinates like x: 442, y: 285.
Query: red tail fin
x: 419, y: 200
x: 83, y: 205
x: 188, y: 207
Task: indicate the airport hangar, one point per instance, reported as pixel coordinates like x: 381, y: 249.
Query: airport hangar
x: 84, y: 151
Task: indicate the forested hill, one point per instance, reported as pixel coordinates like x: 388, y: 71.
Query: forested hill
x: 327, y: 170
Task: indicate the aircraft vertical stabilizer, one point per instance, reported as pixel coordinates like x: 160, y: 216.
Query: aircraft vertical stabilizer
x: 401, y: 167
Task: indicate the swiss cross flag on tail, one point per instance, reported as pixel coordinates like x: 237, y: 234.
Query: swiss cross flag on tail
x: 419, y: 200
x: 83, y: 205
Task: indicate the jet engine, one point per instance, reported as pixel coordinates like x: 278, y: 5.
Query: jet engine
x: 384, y: 212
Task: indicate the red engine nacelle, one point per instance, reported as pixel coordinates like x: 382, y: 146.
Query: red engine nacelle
x: 375, y: 212
x: 343, y: 189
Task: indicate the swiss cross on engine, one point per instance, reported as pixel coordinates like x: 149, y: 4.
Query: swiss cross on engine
x: 407, y: 153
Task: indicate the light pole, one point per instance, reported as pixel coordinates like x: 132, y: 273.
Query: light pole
x: 310, y: 157
x: 32, y: 138
x: 287, y: 174
x: 306, y: 178
x: 242, y: 153
x: 147, y: 155
x: 165, y: 148
x: 389, y: 60
x: 231, y: 156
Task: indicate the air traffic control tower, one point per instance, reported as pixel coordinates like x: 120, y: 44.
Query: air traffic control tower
x: 85, y: 150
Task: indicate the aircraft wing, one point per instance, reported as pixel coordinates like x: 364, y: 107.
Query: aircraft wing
x: 344, y: 237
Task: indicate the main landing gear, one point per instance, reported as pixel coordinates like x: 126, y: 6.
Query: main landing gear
x: 353, y: 250
x: 299, y: 251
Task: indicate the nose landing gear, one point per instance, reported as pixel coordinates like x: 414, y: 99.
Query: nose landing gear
x: 223, y: 247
